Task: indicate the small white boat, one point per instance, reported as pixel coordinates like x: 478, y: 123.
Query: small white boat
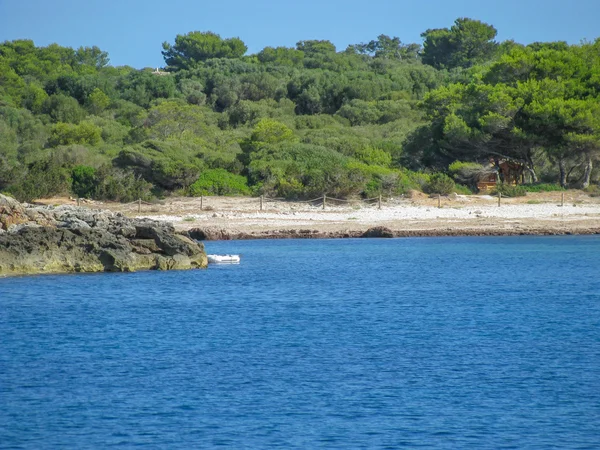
x: 223, y: 259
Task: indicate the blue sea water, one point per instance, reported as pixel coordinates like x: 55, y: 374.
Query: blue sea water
x: 434, y: 343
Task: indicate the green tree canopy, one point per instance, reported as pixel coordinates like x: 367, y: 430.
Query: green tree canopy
x: 197, y: 46
x: 387, y: 47
x: 466, y: 43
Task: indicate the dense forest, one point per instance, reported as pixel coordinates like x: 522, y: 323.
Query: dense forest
x: 381, y: 117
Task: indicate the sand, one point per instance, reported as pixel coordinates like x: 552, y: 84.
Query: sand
x: 231, y: 217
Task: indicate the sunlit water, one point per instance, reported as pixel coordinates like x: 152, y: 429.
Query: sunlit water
x: 436, y: 342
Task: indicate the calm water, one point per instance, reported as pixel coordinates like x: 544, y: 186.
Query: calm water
x: 438, y: 342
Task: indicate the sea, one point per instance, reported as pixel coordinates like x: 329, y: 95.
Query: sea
x: 461, y: 342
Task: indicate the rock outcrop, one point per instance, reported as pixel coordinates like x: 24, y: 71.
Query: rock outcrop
x: 65, y: 239
x: 378, y: 232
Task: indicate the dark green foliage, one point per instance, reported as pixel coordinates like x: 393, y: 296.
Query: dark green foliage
x: 172, y: 175
x: 162, y: 164
x: 83, y: 181
x: 281, y: 56
x: 117, y: 185
x: 43, y: 178
x: 386, y: 47
x: 543, y: 187
x: 299, y: 122
x: 297, y: 170
x: 192, y: 91
x: 466, y: 43
x: 62, y: 108
x: 314, y: 47
x: 463, y: 190
x: 439, y: 183
x: 196, y: 46
x: 142, y: 87
x: 219, y: 182
x: 509, y: 190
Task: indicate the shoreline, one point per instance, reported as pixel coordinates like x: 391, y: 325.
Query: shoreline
x: 231, y: 218
x: 209, y: 234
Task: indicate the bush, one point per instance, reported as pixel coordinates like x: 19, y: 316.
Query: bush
x: 43, y: 179
x: 509, y: 190
x: 373, y: 156
x: 543, y: 187
x: 121, y: 186
x: 172, y: 174
x: 83, y: 181
x: 462, y: 189
x: 68, y: 133
x: 440, y: 183
x: 219, y: 182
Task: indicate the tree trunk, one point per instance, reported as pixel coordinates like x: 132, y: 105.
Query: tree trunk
x: 529, y: 166
x: 532, y: 174
x: 563, y: 173
x: 587, y: 172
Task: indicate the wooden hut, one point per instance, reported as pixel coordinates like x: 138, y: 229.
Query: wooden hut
x: 507, y: 172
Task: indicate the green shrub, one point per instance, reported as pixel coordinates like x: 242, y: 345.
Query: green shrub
x: 83, y: 181
x: 373, y: 156
x: 173, y: 174
x: 460, y: 166
x: 543, y: 187
x: 440, y: 183
x: 462, y: 189
x: 509, y: 190
x: 43, y: 179
x: 68, y: 133
x: 121, y: 186
x: 219, y: 182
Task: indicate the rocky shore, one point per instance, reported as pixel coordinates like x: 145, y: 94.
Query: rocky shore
x: 222, y: 234
x: 64, y: 239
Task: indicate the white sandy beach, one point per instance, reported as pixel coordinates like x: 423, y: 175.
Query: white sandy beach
x: 540, y: 213
x: 578, y: 213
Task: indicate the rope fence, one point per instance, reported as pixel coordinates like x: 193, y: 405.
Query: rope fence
x: 315, y: 202
x: 323, y: 201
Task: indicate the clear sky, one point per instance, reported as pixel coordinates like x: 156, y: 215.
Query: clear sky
x: 132, y: 31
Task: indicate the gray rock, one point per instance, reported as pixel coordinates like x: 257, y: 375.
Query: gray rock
x: 378, y: 232
x: 73, y: 239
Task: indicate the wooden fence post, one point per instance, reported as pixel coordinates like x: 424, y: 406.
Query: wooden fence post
x: 439, y: 201
x: 499, y: 197
x: 261, y: 202
x: 139, y: 205
x: 324, y: 200
x: 562, y: 199
x: 78, y: 202
x: 379, y: 205
x: 201, y: 202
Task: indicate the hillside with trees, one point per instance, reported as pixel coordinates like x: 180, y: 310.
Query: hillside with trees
x: 381, y: 117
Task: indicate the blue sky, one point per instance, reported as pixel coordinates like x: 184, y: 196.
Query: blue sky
x: 132, y: 31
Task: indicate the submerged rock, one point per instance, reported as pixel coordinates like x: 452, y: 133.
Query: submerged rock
x: 66, y: 239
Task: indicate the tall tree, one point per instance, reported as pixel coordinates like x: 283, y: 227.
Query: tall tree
x: 386, y: 47
x: 197, y: 46
x: 466, y: 43
x: 92, y: 56
x: 312, y: 47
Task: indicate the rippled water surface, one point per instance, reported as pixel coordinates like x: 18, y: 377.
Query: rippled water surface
x: 437, y: 342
